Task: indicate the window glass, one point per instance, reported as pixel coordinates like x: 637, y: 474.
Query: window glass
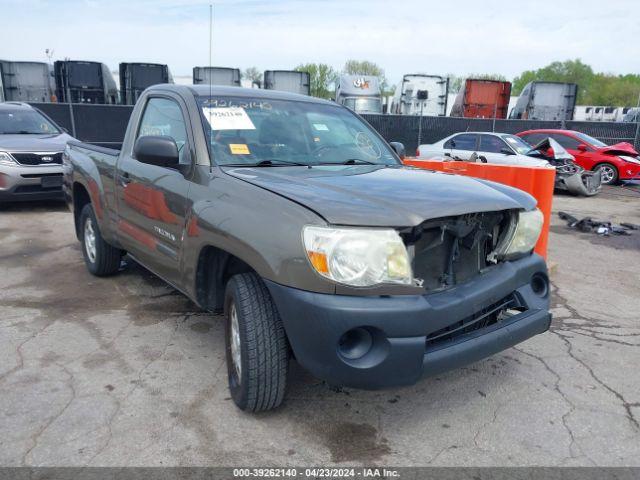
x: 465, y: 141
x: 25, y: 121
x: 491, y: 144
x: 589, y: 139
x: 565, y: 141
x: 534, y: 138
x: 517, y: 144
x: 247, y: 131
x: 164, y: 117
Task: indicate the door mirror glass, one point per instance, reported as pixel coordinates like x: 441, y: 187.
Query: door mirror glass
x: 399, y: 149
x: 159, y: 150
x: 582, y: 147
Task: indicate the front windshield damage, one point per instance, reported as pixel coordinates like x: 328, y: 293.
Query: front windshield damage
x: 265, y: 132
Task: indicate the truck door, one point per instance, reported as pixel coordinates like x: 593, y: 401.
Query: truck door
x: 152, y: 201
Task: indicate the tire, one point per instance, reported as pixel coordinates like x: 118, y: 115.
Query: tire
x: 610, y: 171
x: 100, y: 258
x: 258, y: 342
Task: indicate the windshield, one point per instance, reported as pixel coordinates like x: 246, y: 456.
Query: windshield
x: 248, y: 131
x: 518, y: 144
x: 588, y: 139
x: 364, y: 105
x: 25, y: 122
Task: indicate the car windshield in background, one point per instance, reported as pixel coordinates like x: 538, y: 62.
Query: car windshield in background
x: 588, y: 139
x: 517, y: 144
x: 25, y: 122
x: 252, y: 131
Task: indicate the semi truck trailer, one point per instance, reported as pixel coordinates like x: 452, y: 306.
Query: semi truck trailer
x: 420, y: 94
x: 546, y: 101
x: 480, y: 98
x: 135, y: 77
x: 79, y: 81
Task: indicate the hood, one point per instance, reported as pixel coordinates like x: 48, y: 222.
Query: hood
x: 622, y: 148
x: 366, y: 195
x: 34, y: 143
x: 527, y: 161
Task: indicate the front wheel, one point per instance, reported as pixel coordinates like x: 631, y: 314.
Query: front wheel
x: 257, y: 350
x: 100, y: 258
x: 608, y: 173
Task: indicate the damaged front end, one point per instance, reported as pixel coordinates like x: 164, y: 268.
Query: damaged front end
x: 570, y: 177
x: 453, y: 250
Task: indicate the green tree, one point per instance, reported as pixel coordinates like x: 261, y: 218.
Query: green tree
x: 322, y: 77
x: 253, y: 74
x: 572, y: 71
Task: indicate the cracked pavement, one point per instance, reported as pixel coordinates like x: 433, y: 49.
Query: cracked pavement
x: 124, y: 371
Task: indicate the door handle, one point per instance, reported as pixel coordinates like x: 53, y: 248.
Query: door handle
x: 124, y: 179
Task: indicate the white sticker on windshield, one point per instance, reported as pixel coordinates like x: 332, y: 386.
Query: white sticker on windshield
x: 233, y: 118
x: 321, y: 127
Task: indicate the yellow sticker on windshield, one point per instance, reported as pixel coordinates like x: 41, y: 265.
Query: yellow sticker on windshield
x: 239, y: 149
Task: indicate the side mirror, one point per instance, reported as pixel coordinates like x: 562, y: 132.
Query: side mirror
x: 399, y: 149
x: 582, y: 147
x: 159, y: 150
x: 506, y: 151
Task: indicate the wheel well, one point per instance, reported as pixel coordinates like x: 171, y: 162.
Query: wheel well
x: 80, y: 199
x: 215, y: 268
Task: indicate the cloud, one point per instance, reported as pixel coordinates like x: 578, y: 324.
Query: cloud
x: 403, y: 37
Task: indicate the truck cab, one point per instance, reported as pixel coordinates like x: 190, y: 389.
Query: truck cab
x: 295, y: 219
x: 360, y: 93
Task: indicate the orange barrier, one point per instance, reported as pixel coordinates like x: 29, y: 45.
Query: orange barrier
x: 538, y: 181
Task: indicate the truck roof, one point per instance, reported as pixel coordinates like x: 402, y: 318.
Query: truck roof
x: 207, y: 90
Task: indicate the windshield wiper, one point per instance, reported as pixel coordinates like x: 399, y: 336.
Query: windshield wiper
x: 275, y: 162
x: 351, y: 161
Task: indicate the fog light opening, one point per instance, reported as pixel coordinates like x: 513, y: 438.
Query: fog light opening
x: 540, y: 285
x: 355, y: 343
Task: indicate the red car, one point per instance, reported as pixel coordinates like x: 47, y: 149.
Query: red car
x: 615, y: 162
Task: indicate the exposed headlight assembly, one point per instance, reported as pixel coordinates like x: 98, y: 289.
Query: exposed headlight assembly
x: 359, y: 257
x: 6, y: 159
x: 522, y: 238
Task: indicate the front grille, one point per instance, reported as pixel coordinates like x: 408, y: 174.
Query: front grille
x: 497, y: 312
x: 24, y: 158
x: 452, y: 250
x: 36, y: 189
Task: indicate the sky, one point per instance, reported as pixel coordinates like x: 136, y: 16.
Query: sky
x: 402, y: 36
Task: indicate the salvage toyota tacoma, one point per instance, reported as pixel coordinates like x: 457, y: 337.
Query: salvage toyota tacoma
x: 294, y: 218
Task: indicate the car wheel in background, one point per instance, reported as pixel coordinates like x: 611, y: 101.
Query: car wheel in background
x: 101, y: 258
x: 257, y: 350
x: 608, y: 173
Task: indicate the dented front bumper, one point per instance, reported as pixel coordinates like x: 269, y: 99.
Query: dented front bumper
x: 578, y: 182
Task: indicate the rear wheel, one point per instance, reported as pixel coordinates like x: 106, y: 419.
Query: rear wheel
x: 608, y: 173
x: 100, y: 258
x: 257, y: 350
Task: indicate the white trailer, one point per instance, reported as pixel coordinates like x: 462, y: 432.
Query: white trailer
x: 421, y: 94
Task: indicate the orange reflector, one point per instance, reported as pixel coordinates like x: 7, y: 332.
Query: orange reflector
x: 319, y: 261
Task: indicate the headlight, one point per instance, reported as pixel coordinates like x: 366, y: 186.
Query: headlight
x: 630, y: 159
x: 6, y: 159
x: 359, y: 257
x: 526, y: 233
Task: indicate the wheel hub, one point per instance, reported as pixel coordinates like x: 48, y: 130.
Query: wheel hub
x: 90, y: 240
x: 234, y: 340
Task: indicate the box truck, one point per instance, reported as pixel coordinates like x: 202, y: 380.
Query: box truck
x: 546, y: 101
x: 287, y: 81
x: 216, y: 76
x: 79, y: 81
x: 360, y: 93
x: 135, y: 77
x: 420, y: 94
x: 26, y: 81
x: 481, y: 98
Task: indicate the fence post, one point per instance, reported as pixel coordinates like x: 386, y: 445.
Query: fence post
x: 637, y: 117
x: 73, y: 120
